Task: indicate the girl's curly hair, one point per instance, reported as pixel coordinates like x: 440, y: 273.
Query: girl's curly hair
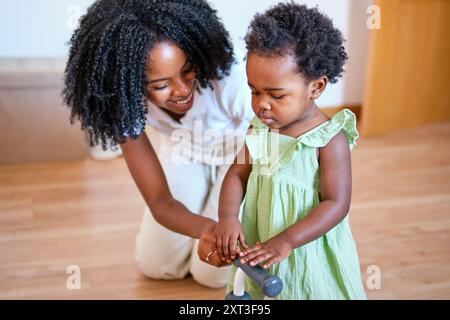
x: 305, y: 33
x: 105, y: 76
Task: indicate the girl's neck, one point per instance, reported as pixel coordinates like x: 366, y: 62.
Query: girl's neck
x: 310, y: 119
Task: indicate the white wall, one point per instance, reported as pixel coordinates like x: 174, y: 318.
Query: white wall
x: 31, y: 28
x: 348, y: 15
x: 36, y: 28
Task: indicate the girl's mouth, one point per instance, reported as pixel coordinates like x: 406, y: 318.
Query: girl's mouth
x: 265, y: 118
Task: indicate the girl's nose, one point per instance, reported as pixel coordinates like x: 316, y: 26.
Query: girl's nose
x: 263, y: 105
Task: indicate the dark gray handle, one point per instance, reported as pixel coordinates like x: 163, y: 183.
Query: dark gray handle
x: 270, y: 284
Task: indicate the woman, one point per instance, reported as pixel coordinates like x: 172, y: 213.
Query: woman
x: 171, y: 65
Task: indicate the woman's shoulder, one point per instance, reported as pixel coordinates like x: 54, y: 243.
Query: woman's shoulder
x: 232, y: 92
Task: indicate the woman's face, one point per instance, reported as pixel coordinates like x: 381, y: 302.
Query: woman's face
x: 280, y: 95
x: 171, y: 78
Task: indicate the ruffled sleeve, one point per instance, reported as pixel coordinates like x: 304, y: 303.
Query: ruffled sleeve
x: 257, y: 123
x: 344, y: 120
x: 256, y: 141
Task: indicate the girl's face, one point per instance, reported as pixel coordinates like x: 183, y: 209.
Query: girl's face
x: 171, y: 79
x: 280, y: 94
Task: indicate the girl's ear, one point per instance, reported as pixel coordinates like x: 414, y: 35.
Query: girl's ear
x: 317, y: 86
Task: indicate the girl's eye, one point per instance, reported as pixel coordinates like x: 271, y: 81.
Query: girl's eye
x: 254, y: 93
x: 278, y: 97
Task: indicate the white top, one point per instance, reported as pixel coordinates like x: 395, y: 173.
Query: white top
x: 213, y: 130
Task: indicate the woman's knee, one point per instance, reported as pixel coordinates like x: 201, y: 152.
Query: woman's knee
x: 210, y: 276
x: 162, y: 255
x: 152, y: 268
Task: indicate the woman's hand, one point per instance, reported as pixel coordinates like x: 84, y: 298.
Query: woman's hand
x: 228, y: 233
x: 270, y: 252
x: 207, y: 250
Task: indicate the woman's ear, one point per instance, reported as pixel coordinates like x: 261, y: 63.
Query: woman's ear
x: 317, y: 86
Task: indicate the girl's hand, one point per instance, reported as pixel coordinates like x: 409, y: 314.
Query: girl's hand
x: 207, y: 250
x: 270, y: 252
x: 228, y: 232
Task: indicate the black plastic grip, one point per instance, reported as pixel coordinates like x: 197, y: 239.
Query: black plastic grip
x: 270, y: 284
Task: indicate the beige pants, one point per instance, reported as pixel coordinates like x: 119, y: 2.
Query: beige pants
x: 164, y: 254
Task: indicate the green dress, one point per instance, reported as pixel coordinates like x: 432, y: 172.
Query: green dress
x: 283, y: 187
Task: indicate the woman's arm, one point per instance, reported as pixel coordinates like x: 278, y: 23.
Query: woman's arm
x: 335, y: 193
x: 149, y: 177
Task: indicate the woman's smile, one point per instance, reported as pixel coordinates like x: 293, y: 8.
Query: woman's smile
x: 183, y: 104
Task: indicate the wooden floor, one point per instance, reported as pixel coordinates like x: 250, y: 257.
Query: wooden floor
x: 87, y: 213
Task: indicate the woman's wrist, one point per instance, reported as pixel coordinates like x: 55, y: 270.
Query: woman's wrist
x: 173, y: 215
x: 203, y: 226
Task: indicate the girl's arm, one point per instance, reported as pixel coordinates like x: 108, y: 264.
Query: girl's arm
x: 335, y: 194
x: 232, y: 192
x: 234, y: 185
x: 149, y: 177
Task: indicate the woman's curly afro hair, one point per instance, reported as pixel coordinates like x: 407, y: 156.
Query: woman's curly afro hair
x: 305, y: 33
x: 105, y: 77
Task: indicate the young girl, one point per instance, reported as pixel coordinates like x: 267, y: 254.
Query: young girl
x: 296, y: 169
